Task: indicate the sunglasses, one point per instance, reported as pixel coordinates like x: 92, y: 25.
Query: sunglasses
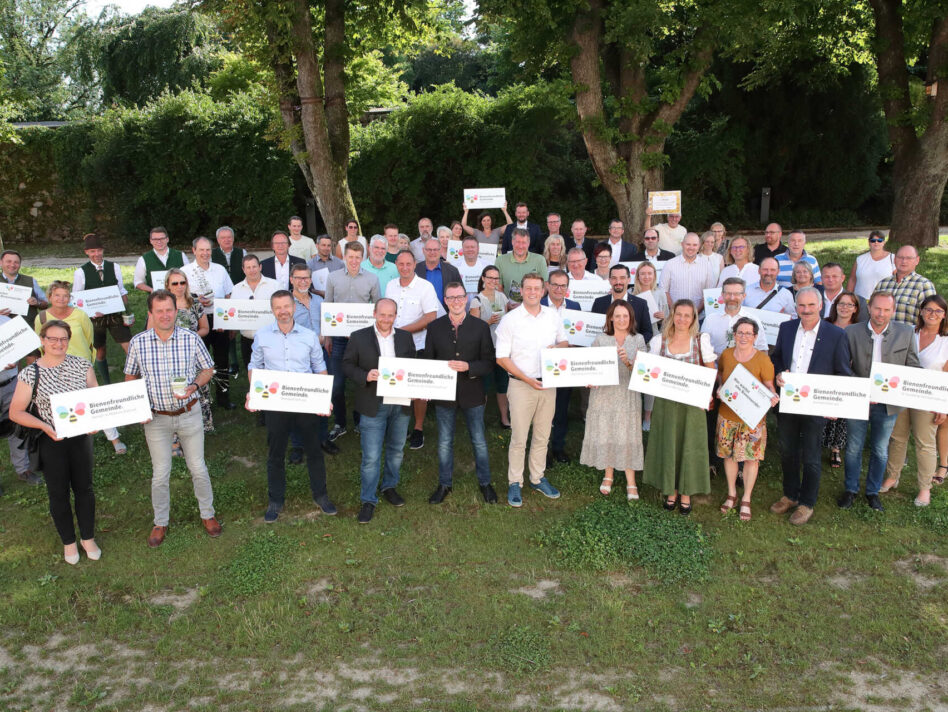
x: 876, y: 239
x: 176, y: 284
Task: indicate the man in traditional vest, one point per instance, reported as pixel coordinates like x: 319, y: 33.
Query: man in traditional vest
x: 10, y: 263
x: 230, y: 258
x: 160, y: 259
x: 99, y: 272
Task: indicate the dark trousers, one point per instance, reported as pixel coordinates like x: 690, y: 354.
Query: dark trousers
x: 712, y: 419
x: 245, y: 350
x: 339, y: 344
x: 218, y: 343
x: 560, y: 422
x: 67, y: 465
x: 279, y: 427
x: 800, y: 437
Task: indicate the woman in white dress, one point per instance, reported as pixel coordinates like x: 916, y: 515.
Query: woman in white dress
x: 708, y: 243
x: 352, y: 235
x: 646, y: 282
x: 871, y: 267
x: 739, y: 262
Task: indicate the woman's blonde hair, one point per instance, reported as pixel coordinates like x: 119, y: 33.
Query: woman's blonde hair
x: 729, y: 258
x: 637, y: 288
x: 668, y: 328
x: 546, y: 248
x: 188, y: 299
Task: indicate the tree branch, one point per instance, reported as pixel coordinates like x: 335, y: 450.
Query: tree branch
x: 334, y: 63
x: 669, y: 112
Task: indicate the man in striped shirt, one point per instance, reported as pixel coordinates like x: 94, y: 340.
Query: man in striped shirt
x: 796, y: 252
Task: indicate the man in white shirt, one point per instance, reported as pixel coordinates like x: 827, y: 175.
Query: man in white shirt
x: 254, y: 286
x: 767, y: 294
x: 622, y: 251
x: 470, y: 265
x: 300, y: 245
x: 209, y: 281
x: 521, y: 335
x: 720, y: 326
x: 425, y: 233
x: 686, y: 276
x: 576, y: 262
x: 418, y: 306
x: 671, y: 234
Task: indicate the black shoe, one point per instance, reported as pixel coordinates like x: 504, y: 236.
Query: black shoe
x: 417, y: 440
x: 393, y: 497
x: 296, y: 456
x: 874, y: 502
x: 846, y: 500
x: 365, y: 513
x: 273, y: 511
x: 329, y: 448
x: 325, y: 504
x: 437, y: 497
x: 561, y: 457
x: 489, y: 495
x: 30, y: 477
x: 684, y: 509
x: 261, y: 420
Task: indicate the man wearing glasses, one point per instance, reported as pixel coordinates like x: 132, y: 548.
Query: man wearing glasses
x: 161, y: 258
x: 650, y: 250
x: 907, y: 286
x: 278, y: 266
x: 557, y: 288
x: 771, y: 246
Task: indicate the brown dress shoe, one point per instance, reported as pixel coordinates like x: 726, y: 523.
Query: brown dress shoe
x: 212, y: 527
x: 157, y: 536
x: 801, y: 515
x: 782, y: 505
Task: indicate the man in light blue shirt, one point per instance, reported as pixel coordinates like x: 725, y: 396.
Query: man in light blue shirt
x: 286, y: 346
x: 377, y: 264
x: 796, y: 252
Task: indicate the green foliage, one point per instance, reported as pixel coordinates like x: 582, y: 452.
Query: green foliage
x: 260, y: 561
x: 608, y: 534
x: 519, y: 649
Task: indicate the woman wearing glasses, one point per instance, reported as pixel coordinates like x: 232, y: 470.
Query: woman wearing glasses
x: 871, y: 267
x: 67, y: 462
x: 739, y: 262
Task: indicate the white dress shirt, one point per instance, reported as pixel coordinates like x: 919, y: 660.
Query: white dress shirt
x: 213, y: 279
x: 876, y: 341
x: 686, y: 280
x: 414, y: 301
x: 79, y: 278
x: 386, y: 343
x: 281, y: 272
x: 803, y: 346
x: 139, y: 277
x: 720, y: 327
x: 521, y: 337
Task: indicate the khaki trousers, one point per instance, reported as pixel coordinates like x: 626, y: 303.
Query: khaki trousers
x: 922, y: 425
x: 529, y: 406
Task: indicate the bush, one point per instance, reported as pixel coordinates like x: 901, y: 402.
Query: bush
x: 609, y: 534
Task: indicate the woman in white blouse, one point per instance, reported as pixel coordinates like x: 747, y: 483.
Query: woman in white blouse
x: 739, y: 262
x: 708, y: 251
x: 871, y: 267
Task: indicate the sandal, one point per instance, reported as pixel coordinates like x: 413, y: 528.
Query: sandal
x: 729, y: 503
x: 120, y: 448
x: 887, y: 487
x: 745, y: 511
x: 836, y: 459
x: 684, y: 509
x: 631, y: 492
x: 606, y: 486
x: 670, y: 502
x: 938, y: 479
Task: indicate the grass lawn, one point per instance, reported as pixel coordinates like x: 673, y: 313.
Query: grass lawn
x: 573, y: 604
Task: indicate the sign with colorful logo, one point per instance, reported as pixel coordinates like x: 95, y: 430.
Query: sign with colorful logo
x: 483, y: 198
x: 672, y: 379
x: 823, y: 395
x: 242, y: 314
x: 17, y: 339
x: 91, y: 409
x: 288, y: 392
x: 918, y: 388
x: 103, y: 300
x: 746, y: 396
x: 455, y: 251
x: 582, y: 328
x: 14, y: 297
x: 341, y: 319
x: 713, y: 301
x: 593, y: 366
x: 416, y: 378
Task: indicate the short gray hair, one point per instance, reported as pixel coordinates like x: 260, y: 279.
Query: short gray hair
x: 196, y: 240
x: 809, y: 290
x: 224, y: 228
x: 378, y: 240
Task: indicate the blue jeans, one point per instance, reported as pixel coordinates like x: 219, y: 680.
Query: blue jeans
x: 475, y: 428
x: 388, y: 428
x: 881, y: 424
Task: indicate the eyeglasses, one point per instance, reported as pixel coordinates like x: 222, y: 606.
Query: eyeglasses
x: 933, y: 312
x: 650, y: 237
x: 57, y: 339
x: 305, y: 279
x: 840, y: 305
x: 176, y: 284
x: 745, y: 334
x: 455, y: 298
x: 738, y: 247
x: 876, y: 239
x: 771, y: 232
x: 558, y: 286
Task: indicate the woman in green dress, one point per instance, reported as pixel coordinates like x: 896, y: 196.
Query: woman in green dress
x: 676, y: 460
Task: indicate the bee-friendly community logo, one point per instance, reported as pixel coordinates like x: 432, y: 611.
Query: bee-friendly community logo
x: 729, y: 395
x: 224, y: 314
x: 714, y: 302
x: 573, y: 327
x: 796, y: 393
x: 334, y: 319
x: 80, y: 303
x: 71, y: 414
x: 393, y: 377
x: 886, y: 384
x: 454, y: 253
x: 556, y: 368
x: 264, y: 390
x: 647, y: 374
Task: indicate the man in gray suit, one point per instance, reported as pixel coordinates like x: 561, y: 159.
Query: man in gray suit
x: 888, y: 341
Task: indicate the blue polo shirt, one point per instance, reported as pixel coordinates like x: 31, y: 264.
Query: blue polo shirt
x: 436, y: 278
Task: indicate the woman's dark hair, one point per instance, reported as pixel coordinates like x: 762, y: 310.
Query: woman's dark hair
x: 939, y: 302
x: 747, y: 320
x: 55, y: 324
x: 833, y: 315
x: 602, y: 247
x: 480, y: 281
x: 619, y: 304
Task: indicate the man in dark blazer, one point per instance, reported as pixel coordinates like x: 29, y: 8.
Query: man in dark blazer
x: 382, y: 425
x: 889, y: 341
x: 278, y: 267
x: 557, y: 286
x: 619, y: 280
x: 805, y: 345
x: 615, y: 240
x: 833, y: 286
x: 521, y: 213
x: 466, y: 344
x: 436, y: 270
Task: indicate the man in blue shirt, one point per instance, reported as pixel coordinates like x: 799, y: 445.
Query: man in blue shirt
x: 287, y: 346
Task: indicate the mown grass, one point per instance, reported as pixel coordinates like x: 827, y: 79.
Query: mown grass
x: 422, y: 609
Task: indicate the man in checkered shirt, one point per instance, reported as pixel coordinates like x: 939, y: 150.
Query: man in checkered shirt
x: 909, y: 288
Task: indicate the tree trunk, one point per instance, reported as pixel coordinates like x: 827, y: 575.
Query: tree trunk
x: 919, y: 186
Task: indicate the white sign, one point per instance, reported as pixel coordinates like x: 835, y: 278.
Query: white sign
x: 455, y: 251
x: 17, y: 339
x: 158, y: 279
x: 320, y: 277
x: 487, y: 253
x: 652, y: 306
x: 341, y: 318
x: 586, y: 291
x: 242, y: 314
x: 769, y: 321
x: 918, y: 388
x: 102, y: 300
x: 746, y: 396
x: 562, y: 368
x: 470, y: 276
x: 14, y: 297
x: 672, y: 379
x: 429, y: 379
x: 582, y: 328
x: 659, y: 266
x: 91, y: 409
x: 665, y: 201
x: 713, y: 301
x: 482, y: 198
x: 823, y: 395
x: 288, y: 392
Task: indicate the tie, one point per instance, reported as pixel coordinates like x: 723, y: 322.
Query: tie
x: 101, y: 277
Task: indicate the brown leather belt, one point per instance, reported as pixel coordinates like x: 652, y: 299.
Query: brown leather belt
x: 191, y: 403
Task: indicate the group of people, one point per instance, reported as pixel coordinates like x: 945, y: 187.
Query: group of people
x: 489, y: 322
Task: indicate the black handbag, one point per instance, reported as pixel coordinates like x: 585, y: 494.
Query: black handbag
x: 30, y: 436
